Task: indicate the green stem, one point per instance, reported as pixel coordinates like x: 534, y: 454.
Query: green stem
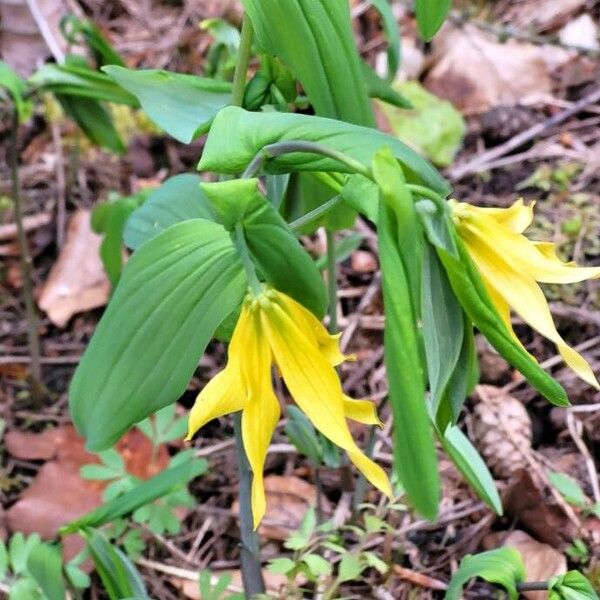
x: 250, y: 548
x: 421, y: 190
x: 317, y: 213
x: 331, y: 282
x: 252, y: 578
x: 243, y: 59
x: 295, y: 146
x: 26, y: 262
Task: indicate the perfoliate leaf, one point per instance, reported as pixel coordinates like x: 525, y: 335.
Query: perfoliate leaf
x: 414, y: 452
x: 327, y: 65
x: 431, y: 15
x: 471, y: 465
x: 236, y: 136
x: 274, y: 248
x: 173, y: 294
x: 179, y: 198
x: 182, y: 105
x: 571, y: 586
x: 503, y: 566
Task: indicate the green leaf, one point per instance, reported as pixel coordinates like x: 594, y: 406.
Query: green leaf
x: 467, y: 460
x: 302, y: 434
x: 19, y: 549
x: 10, y: 80
x: 433, y: 126
x: 173, y: 294
x: 363, y: 195
x: 179, y: 198
x: 315, y: 40
x: 79, y: 80
x: 381, y: 89
x: 182, y: 105
x: 351, y: 567
x: 119, y: 576
x: 571, y: 586
x: 3, y: 560
x: 392, y: 33
x: 503, y: 566
x: 431, y: 14
x: 470, y: 290
x: 437, y: 222
x: 109, y: 218
x: 236, y: 137
x: 414, y: 453
x: 94, y: 121
x: 170, y: 480
x: 25, y: 588
x: 318, y: 566
x: 443, y: 327
x: 282, y: 565
x: 569, y: 488
x: 78, y: 31
x: 274, y: 248
x: 44, y: 564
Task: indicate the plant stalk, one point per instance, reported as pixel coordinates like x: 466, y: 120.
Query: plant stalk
x: 252, y: 577
x: 532, y: 586
x: 26, y: 262
x: 331, y: 282
x: 250, y: 546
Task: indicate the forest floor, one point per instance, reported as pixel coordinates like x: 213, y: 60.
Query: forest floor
x: 532, y: 129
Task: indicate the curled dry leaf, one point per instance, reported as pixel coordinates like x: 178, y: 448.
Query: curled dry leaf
x: 502, y: 430
x: 288, y: 499
x: 476, y: 72
x: 530, y: 504
x: 77, y: 281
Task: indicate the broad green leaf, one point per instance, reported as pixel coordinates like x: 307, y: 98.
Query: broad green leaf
x: 274, y: 248
x: 433, y: 126
x: 173, y: 294
x: 414, y: 452
x: 392, y: 32
x: 119, y: 576
x: 94, y: 121
x: 236, y: 136
x: 571, y: 586
x: 76, y: 80
x: 281, y: 565
x: 503, y: 566
x: 109, y: 218
x: 10, y: 80
x: 471, y: 465
x: 381, y: 89
x: 166, y: 482
x: 350, y: 568
x: 470, y: 290
x: 318, y: 566
x: 44, y: 564
x: 25, y: 588
x: 569, y: 488
x: 315, y: 40
x: 363, y: 195
x: 437, y: 222
x: 179, y: 198
x: 182, y: 105
x: 276, y: 188
x: 19, y: 549
x: 443, y: 327
x: 430, y: 16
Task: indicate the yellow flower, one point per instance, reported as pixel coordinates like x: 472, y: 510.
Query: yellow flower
x: 273, y: 328
x: 511, y: 265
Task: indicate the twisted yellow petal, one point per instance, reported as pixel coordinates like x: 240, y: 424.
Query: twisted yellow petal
x: 261, y: 412
x: 361, y: 411
x: 315, y: 387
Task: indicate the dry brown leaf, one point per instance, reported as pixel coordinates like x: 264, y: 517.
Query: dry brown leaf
x: 542, y: 561
x: 526, y: 501
x: 476, y: 72
x: 288, y: 499
x: 58, y: 494
x: 541, y: 16
x: 501, y: 430
x: 77, y: 281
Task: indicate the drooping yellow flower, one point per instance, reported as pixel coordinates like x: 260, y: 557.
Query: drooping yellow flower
x: 511, y: 266
x: 274, y: 328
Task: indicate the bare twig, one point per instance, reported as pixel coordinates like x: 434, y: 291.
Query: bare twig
x: 479, y: 162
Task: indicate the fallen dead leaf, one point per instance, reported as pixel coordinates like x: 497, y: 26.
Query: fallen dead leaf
x: 542, y: 561
x: 77, y: 281
x: 58, y: 494
x: 526, y: 501
x: 288, y: 499
x: 476, y: 72
x: 541, y: 16
x: 581, y: 32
